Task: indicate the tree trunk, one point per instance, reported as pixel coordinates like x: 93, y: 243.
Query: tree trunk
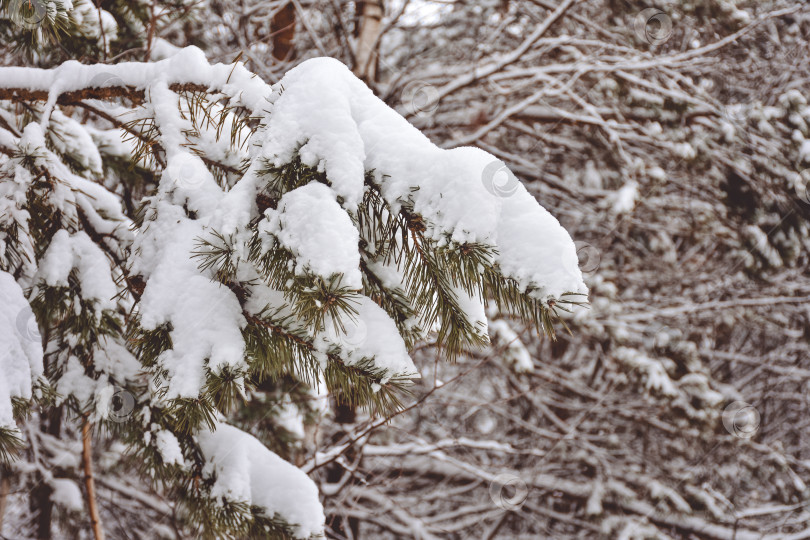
x: 345, y: 414
x: 5, y: 486
x: 283, y: 28
x: 370, y: 14
x: 87, y: 461
x: 40, y: 502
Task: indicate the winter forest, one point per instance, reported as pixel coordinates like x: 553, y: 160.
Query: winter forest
x: 404, y: 269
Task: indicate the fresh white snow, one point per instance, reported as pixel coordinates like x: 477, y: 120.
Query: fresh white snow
x: 321, y: 111
x: 248, y: 472
x: 67, y: 252
x: 20, y: 348
x: 312, y: 226
x: 371, y: 334
x: 355, y: 132
x: 327, y: 116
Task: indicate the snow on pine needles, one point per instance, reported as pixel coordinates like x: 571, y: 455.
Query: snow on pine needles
x: 304, y: 231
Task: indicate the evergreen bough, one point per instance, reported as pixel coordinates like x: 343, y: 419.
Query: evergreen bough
x: 192, y: 145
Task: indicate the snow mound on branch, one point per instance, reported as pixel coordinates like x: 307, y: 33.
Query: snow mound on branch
x: 516, y: 355
x: 473, y: 307
x: 113, y: 359
x: 248, y: 472
x: 66, y: 494
x: 169, y: 448
x: 335, y: 123
x: 73, y: 194
x: 371, y: 334
x: 205, y: 316
x: 72, y: 139
x: 20, y: 348
x: 13, y: 190
x: 311, y: 224
x: 188, y: 66
x: 78, y: 251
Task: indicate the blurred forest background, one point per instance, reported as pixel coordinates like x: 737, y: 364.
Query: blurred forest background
x: 673, y: 143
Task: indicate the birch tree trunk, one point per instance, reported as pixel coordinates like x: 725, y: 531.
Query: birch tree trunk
x: 370, y: 16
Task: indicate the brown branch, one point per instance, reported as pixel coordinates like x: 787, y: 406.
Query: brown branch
x: 150, y: 36
x: 87, y: 462
x: 5, y: 486
x: 70, y: 98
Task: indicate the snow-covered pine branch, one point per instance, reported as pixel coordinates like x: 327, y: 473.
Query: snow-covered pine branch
x: 302, y: 231
x: 20, y: 362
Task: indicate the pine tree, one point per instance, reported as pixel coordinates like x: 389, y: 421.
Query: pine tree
x: 186, y: 250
